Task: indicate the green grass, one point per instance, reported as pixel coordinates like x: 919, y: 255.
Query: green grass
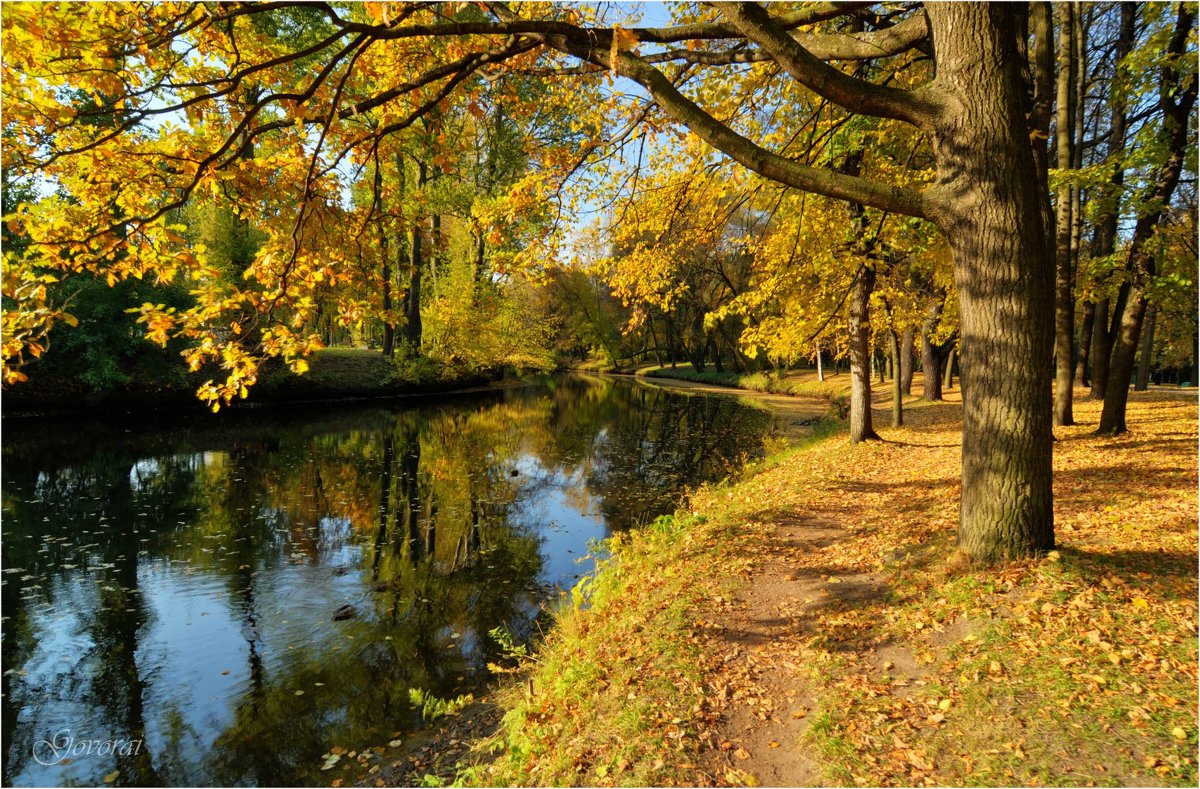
x: 614, y: 695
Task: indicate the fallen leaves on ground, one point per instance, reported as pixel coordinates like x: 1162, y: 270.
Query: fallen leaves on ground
x: 1076, y: 668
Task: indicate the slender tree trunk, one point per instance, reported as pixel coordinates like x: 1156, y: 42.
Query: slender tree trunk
x: 897, y: 384
x: 658, y: 357
x: 1081, y: 84
x: 1147, y: 356
x: 412, y: 298
x: 949, y: 382
x: 907, y: 365
x: 1085, y: 343
x: 1176, y: 106
x: 1101, y: 347
x: 436, y: 247
x: 1106, y: 229
x: 1195, y: 355
x: 820, y: 367
x: 860, y: 350
x: 389, y: 328
x: 1004, y: 273
x: 718, y: 363
x: 1064, y: 295
x: 480, y: 255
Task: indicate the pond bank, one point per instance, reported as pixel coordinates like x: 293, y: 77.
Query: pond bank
x: 334, y: 375
x: 811, y: 623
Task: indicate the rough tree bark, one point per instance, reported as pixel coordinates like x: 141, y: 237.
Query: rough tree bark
x: 861, y: 428
x: 1004, y: 274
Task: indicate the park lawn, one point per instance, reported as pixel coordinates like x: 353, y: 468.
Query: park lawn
x: 1077, y: 668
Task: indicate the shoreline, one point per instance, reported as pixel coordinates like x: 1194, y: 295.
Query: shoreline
x: 452, y: 750
x: 187, y: 404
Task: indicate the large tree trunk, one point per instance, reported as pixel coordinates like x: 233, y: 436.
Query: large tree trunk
x: 1004, y: 273
x: 860, y: 350
x: 1064, y: 288
x: 1176, y: 106
x: 1147, y: 355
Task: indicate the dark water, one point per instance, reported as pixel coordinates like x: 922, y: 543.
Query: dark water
x: 169, y: 591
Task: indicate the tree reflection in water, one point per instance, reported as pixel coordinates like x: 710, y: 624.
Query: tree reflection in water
x: 176, y: 584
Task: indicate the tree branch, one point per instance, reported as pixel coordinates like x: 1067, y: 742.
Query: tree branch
x: 855, y: 95
x: 743, y: 150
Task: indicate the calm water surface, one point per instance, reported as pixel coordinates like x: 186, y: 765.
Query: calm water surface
x: 177, y: 585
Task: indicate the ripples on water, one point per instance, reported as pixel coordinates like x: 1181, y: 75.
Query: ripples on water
x: 176, y: 585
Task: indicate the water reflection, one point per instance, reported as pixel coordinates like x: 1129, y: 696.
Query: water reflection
x: 239, y: 595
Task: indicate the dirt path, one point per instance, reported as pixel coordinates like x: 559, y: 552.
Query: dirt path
x: 771, y: 701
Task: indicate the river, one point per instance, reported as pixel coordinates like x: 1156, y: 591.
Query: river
x: 219, y: 600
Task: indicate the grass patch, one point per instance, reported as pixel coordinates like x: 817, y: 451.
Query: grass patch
x: 616, y: 695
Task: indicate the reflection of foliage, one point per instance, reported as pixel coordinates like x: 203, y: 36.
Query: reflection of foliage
x: 419, y: 510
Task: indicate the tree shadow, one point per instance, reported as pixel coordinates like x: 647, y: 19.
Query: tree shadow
x: 1161, y: 569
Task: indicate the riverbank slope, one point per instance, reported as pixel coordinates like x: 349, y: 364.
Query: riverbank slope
x: 334, y: 374
x: 812, y: 624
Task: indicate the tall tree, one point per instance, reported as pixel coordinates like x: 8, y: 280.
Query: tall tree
x: 1176, y: 98
x: 1064, y: 219
x: 1106, y: 229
